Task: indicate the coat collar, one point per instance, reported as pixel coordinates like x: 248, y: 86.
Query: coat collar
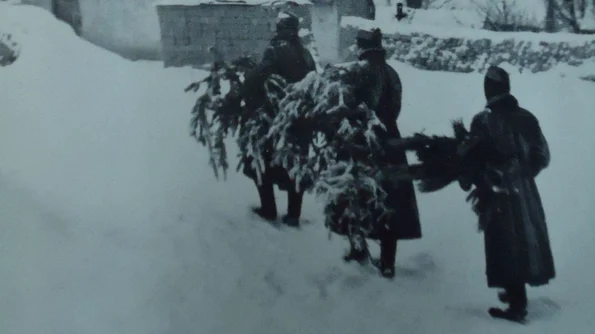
x: 502, y: 102
x: 372, y: 53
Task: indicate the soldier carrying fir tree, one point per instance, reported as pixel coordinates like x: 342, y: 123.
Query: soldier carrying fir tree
x: 287, y: 57
x: 379, y: 87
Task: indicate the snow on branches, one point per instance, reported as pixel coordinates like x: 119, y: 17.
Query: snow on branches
x: 216, y: 115
x: 442, y: 159
x: 315, y: 130
x: 327, y: 142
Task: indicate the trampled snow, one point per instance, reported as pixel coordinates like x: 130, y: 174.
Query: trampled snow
x: 112, y: 222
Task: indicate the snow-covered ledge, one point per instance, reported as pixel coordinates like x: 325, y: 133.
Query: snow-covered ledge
x: 468, y: 50
x: 228, y: 2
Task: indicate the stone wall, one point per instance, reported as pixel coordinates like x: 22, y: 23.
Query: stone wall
x: 187, y: 32
x: 470, y: 51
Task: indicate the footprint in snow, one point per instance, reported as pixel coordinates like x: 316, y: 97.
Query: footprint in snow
x: 420, y: 266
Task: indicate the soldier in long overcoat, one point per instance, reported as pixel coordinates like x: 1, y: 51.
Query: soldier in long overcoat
x: 287, y: 57
x: 513, y: 151
x: 379, y: 87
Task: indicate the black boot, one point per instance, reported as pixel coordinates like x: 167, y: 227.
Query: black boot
x: 358, y: 250
x: 516, y: 296
x: 265, y: 214
x: 268, y: 206
x: 386, y: 270
x: 388, y: 253
x: 510, y: 314
x: 294, y: 208
x: 503, y: 297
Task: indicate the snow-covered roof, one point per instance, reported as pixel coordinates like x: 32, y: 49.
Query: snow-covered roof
x: 228, y: 2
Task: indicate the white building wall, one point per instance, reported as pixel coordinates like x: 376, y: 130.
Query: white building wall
x: 127, y: 27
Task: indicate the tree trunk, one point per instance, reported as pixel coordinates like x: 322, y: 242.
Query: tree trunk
x: 550, y: 16
x: 582, y: 5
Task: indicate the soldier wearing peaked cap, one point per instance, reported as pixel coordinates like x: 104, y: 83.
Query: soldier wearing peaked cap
x: 379, y: 87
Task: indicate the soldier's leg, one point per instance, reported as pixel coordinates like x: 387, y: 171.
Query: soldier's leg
x: 388, y: 253
x: 294, y: 207
x: 268, y: 206
x: 516, y: 296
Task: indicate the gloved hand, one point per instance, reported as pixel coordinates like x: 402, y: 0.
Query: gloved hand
x: 494, y: 177
x: 467, y: 145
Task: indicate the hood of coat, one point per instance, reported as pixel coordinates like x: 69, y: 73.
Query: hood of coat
x: 496, y: 82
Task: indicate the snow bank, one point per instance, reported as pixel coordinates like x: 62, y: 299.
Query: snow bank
x: 466, y: 50
x: 47, y: 41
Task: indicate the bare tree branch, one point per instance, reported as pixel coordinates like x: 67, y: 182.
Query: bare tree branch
x: 506, y: 15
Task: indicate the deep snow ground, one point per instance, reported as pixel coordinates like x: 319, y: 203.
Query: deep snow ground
x: 111, y: 220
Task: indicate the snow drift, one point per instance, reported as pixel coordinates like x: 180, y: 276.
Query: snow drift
x: 111, y: 220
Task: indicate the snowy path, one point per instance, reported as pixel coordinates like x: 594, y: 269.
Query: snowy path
x: 111, y: 220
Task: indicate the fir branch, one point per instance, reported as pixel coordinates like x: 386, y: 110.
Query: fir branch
x: 329, y: 144
x: 215, y: 115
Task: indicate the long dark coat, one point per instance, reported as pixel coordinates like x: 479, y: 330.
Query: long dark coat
x: 517, y: 246
x: 285, y: 56
x: 379, y: 86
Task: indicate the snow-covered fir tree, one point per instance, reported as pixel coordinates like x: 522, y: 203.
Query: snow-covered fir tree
x: 315, y: 130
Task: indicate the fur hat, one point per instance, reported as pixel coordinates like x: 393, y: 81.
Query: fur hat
x: 287, y: 21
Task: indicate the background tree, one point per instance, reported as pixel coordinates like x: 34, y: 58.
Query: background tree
x: 507, y: 15
x: 578, y: 15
